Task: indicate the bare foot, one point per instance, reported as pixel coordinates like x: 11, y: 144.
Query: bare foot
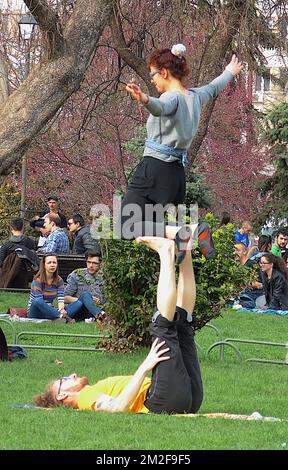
x: 158, y: 244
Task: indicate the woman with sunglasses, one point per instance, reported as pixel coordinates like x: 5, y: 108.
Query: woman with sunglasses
x: 46, y: 287
x: 173, y: 121
x: 275, y: 281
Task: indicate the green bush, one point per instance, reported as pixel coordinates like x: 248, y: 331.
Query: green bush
x: 274, y: 187
x: 219, y: 279
x: 131, y: 274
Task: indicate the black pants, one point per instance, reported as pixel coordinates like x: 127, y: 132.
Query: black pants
x: 176, y: 383
x: 154, y: 182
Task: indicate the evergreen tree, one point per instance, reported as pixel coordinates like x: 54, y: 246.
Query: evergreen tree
x: 275, y: 186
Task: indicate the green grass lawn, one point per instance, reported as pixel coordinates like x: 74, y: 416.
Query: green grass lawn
x: 229, y: 386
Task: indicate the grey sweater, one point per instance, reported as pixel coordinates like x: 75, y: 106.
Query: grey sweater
x: 174, y: 117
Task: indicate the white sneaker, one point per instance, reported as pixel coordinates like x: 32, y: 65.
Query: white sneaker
x: 89, y: 320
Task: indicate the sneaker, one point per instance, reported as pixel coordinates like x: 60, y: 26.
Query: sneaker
x: 60, y: 320
x: 205, y: 240
x: 90, y: 320
x: 69, y: 320
x: 181, y: 241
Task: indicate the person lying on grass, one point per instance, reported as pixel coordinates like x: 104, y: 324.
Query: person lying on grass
x: 176, y: 384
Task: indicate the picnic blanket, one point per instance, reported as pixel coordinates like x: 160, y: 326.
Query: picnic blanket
x: 255, y: 416
x: 256, y: 310
x: 22, y: 319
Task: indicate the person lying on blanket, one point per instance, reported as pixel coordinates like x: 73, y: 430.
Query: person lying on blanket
x: 176, y: 384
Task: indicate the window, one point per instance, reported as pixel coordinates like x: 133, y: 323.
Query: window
x: 263, y: 82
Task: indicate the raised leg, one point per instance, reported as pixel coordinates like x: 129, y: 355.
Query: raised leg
x: 186, y: 297
x: 166, y: 289
x: 186, y: 289
x: 170, y: 390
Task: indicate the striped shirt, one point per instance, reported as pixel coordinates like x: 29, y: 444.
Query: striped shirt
x: 41, y: 290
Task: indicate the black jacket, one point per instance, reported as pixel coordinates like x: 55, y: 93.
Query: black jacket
x: 14, y: 242
x: 83, y: 242
x: 276, y: 291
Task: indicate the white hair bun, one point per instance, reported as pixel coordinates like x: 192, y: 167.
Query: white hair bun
x: 178, y: 50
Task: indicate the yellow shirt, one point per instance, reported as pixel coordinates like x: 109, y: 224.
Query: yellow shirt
x: 113, y: 386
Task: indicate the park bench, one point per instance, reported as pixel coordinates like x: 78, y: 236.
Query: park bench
x: 67, y: 264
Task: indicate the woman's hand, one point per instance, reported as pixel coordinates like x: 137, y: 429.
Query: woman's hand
x: 136, y: 93
x: 155, y: 355
x: 235, y: 66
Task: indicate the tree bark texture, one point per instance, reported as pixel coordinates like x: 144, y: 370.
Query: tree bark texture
x: 50, y: 84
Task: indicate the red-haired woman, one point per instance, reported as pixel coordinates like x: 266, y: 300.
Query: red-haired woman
x: 173, y: 121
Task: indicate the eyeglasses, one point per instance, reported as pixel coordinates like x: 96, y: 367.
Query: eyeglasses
x: 261, y: 262
x: 63, y: 379
x: 153, y: 73
x: 94, y: 263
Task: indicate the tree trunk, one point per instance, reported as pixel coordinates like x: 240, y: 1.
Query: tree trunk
x: 51, y: 82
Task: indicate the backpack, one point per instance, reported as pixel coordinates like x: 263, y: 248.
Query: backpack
x: 7, y: 353
x: 246, y: 301
x: 16, y: 352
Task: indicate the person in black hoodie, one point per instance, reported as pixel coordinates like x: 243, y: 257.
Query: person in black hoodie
x: 275, y: 281
x: 82, y: 239
x: 7, y: 252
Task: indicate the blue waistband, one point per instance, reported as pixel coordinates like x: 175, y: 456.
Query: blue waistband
x: 181, y: 154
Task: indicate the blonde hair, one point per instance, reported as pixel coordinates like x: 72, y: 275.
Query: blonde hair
x: 241, y: 246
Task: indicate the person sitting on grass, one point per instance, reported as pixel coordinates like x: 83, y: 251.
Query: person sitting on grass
x: 280, y: 243
x: 83, y: 292
x: 46, y: 286
x: 275, y: 281
x: 176, y: 384
x: 253, y: 295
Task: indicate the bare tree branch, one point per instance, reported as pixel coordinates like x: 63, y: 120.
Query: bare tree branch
x: 49, y: 23
x: 50, y: 84
x: 136, y: 63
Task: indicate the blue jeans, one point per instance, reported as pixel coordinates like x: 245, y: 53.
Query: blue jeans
x: 248, y: 297
x: 83, y: 308
x: 41, y: 309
